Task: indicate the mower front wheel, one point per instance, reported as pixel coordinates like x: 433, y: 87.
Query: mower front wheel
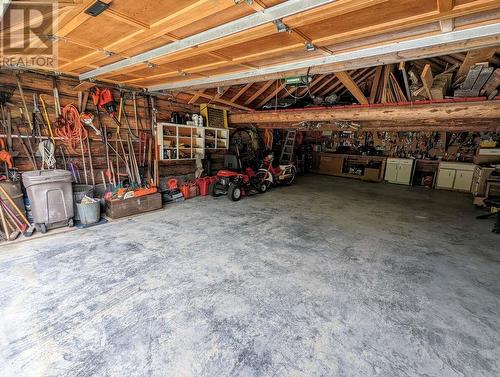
x: 234, y: 193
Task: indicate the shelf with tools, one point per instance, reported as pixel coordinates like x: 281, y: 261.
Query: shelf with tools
x: 184, y: 142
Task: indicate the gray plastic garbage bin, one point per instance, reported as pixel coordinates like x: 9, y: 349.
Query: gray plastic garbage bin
x: 51, y: 197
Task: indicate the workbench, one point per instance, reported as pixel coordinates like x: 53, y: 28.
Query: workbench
x: 367, y: 168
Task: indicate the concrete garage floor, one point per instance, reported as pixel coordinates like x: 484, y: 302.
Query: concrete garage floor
x: 328, y: 277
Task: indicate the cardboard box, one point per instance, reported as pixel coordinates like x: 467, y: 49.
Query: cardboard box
x: 479, y: 201
x: 371, y: 175
x: 116, y: 209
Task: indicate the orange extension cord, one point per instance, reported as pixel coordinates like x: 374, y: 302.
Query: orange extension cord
x: 70, y: 129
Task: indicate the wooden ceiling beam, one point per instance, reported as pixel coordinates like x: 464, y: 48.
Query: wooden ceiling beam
x: 241, y: 92
x: 195, y: 96
x: 337, y: 86
x: 220, y: 100
x: 262, y: 89
x: 374, y: 55
x: 274, y: 93
x: 448, y: 24
x: 323, y: 84
x: 362, y: 78
x: 439, y: 111
x: 353, y: 88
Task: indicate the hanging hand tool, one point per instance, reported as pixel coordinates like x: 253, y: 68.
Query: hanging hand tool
x: 57, y: 104
x: 36, y: 119
x: 47, y: 119
x: 87, y: 120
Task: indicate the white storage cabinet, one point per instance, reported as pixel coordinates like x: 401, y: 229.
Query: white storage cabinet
x: 399, y: 170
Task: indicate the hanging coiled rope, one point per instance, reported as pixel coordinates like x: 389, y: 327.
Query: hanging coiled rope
x: 47, y: 152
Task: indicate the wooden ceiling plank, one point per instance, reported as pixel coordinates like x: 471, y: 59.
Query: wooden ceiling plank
x: 162, y: 27
x: 111, y: 13
x: 230, y: 28
x: 407, y: 22
x: 332, y: 10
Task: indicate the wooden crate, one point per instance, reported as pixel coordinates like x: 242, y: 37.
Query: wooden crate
x: 116, y: 209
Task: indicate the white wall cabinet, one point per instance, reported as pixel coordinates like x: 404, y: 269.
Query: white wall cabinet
x: 455, y: 176
x: 399, y: 170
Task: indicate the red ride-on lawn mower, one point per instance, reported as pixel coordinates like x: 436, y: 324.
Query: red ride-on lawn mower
x: 235, y: 185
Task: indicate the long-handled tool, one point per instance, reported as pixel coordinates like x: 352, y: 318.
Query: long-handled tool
x: 90, y: 161
x: 25, y: 148
x: 6, y: 230
x: 22, y: 227
x: 83, y: 160
x: 21, y: 93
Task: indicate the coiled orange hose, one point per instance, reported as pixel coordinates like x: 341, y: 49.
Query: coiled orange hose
x: 70, y: 129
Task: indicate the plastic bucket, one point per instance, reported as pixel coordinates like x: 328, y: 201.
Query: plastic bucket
x: 79, y: 191
x: 89, y: 213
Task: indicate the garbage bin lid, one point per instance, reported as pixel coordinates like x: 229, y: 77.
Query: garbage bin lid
x: 43, y: 176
